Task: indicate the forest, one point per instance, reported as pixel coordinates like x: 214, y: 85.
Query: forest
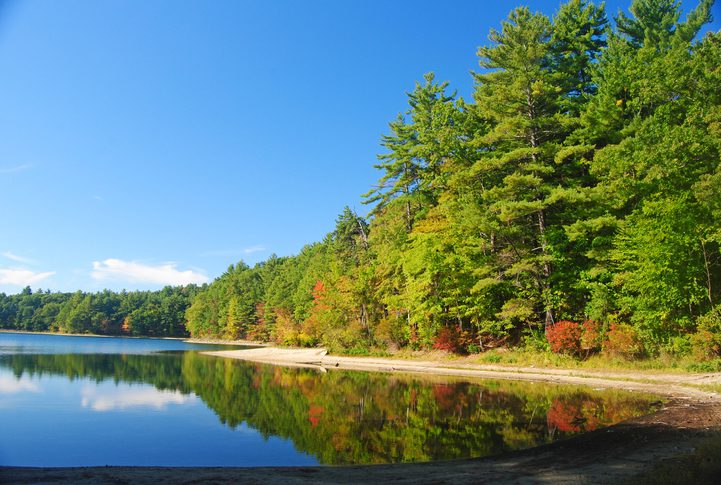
x: 137, y: 313
x: 572, y: 204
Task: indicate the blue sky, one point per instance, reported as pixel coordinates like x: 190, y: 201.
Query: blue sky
x: 145, y: 143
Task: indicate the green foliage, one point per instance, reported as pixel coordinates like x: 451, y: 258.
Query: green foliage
x: 706, y: 342
x: 535, y: 341
x: 141, y: 313
x: 581, y: 183
x: 623, y: 341
x: 706, y: 366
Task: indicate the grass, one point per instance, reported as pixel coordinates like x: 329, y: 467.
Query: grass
x: 661, y: 363
x: 545, y: 359
x: 708, y: 387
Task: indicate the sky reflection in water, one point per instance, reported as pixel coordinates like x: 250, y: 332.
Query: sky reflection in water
x: 78, y: 407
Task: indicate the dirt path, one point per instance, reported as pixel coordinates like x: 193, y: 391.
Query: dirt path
x: 624, y: 453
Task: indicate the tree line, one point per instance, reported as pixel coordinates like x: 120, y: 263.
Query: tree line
x: 580, y: 183
x: 138, y: 313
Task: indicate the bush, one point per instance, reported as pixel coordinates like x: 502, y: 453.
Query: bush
x: 535, y: 341
x: 448, y: 339
x: 679, y: 345
x: 591, y: 337
x: 358, y: 350
x: 623, y: 341
x: 473, y: 349
x: 564, y: 337
x: 706, y: 366
x: 392, y: 331
x: 706, y: 342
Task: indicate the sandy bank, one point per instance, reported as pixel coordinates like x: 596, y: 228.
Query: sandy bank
x: 674, y: 385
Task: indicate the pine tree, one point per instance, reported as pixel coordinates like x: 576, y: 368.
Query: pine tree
x: 415, y: 151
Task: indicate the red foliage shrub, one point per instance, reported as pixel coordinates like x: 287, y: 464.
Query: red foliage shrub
x: 447, y: 339
x: 591, y: 337
x: 623, y: 341
x: 564, y: 337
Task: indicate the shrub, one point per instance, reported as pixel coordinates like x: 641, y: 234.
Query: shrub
x: 564, y: 337
x: 358, y: 350
x: 591, y: 336
x: 447, y: 339
x: 706, y: 342
x: 536, y: 341
x: 623, y: 341
x: 286, y: 330
x: 466, y: 342
x: 679, y: 345
x: 305, y: 340
x: 706, y: 366
x: 392, y: 331
x: 473, y: 349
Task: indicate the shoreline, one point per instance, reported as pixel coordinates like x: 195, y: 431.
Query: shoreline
x: 189, y: 340
x: 671, y: 385
x: 656, y: 445
x: 97, y: 335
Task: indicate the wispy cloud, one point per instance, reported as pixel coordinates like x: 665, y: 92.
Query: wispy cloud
x: 253, y: 249
x: 235, y: 252
x: 22, y: 277
x: 131, y: 271
x: 16, y: 168
x: 123, y: 398
x: 18, y: 259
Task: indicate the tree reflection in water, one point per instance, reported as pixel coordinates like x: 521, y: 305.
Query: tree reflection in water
x: 346, y: 417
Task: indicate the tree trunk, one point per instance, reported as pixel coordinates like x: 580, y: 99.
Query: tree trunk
x: 708, y: 273
x: 546, y: 285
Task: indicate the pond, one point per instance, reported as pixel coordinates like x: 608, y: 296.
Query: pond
x: 84, y: 401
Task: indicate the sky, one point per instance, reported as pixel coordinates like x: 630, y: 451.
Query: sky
x: 152, y: 143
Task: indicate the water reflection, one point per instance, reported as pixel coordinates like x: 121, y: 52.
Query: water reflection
x: 337, y: 417
x: 12, y: 385
x: 105, y: 398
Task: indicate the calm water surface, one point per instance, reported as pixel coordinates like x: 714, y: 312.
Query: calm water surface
x: 83, y: 401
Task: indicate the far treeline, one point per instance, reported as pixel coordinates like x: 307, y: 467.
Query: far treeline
x: 573, y: 203
x: 138, y: 313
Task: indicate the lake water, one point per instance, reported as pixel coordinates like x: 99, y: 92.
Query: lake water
x: 85, y: 401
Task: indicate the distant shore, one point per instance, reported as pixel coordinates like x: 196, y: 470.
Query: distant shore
x: 190, y: 340
x: 27, y: 332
